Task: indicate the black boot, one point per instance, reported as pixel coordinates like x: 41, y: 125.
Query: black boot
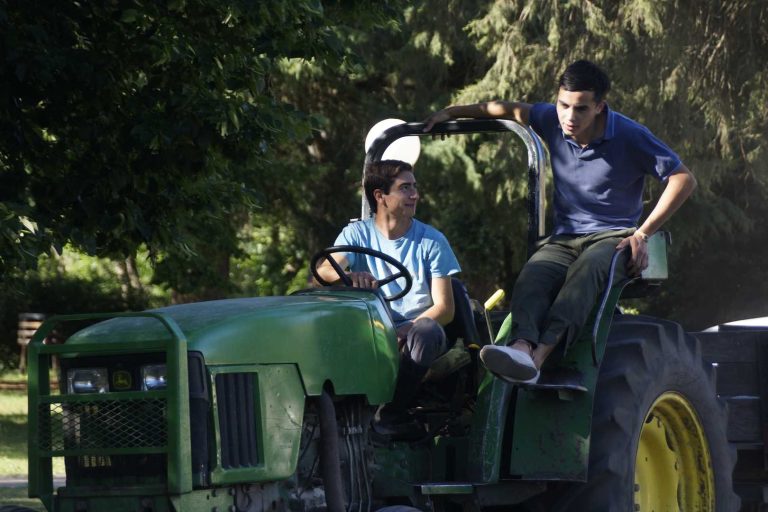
x: 393, y: 419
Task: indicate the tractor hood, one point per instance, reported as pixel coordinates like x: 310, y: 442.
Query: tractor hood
x: 321, y: 331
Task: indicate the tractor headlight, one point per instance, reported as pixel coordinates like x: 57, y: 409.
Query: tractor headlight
x: 153, y: 377
x: 87, y: 380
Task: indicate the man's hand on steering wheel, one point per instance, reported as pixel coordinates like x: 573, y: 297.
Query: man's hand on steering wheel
x: 363, y: 280
x: 348, y: 278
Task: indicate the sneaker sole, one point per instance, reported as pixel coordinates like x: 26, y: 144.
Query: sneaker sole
x: 506, y: 367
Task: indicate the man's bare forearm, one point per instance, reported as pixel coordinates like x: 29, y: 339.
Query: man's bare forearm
x: 680, y: 186
x: 440, y: 313
x: 498, y: 109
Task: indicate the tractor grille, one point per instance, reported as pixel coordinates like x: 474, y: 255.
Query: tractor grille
x: 237, y: 421
x: 102, y: 425
x: 123, y: 437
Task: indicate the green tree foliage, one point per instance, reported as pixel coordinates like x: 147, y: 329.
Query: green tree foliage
x: 175, y: 124
x: 130, y: 123
x: 65, y: 286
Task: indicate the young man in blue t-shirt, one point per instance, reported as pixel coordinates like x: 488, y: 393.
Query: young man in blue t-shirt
x: 599, y: 162
x: 391, y: 191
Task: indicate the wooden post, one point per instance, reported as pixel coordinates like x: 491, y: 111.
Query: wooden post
x: 29, y: 323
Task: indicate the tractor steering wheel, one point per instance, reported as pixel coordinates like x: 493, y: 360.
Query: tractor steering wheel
x: 326, y: 254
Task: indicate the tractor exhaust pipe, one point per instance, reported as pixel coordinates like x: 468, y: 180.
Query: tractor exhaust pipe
x: 329, y: 455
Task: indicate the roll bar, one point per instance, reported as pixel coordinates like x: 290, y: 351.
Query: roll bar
x: 536, y: 160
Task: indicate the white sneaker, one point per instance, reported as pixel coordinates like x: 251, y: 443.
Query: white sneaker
x: 509, y: 364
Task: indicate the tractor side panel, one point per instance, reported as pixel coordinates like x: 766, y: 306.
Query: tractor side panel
x: 257, y: 422
x: 488, y: 424
x: 549, y: 433
x: 552, y: 429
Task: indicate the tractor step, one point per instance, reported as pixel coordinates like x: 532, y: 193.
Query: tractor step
x: 433, y: 488
x: 558, y: 379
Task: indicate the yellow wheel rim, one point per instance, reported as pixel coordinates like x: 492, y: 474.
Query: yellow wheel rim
x: 673, y: 467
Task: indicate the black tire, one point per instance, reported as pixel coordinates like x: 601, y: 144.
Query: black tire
x: 646, y: 360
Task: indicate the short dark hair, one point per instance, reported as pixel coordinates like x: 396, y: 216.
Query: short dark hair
x: 381, y: 175
x: 584, y: 75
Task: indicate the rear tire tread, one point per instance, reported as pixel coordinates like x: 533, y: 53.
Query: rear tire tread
x: 644, y: 358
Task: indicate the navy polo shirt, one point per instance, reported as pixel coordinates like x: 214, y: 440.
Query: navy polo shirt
x: 600, y: 187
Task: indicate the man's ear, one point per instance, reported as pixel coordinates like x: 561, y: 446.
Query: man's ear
x: 378, y: 195
x: 600, y: 107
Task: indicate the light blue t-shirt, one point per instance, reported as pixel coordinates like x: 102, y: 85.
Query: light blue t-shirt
x: 600, y: 187
x: 423, y: 250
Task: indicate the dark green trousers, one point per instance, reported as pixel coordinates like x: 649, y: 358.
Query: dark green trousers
x: 560, y: 284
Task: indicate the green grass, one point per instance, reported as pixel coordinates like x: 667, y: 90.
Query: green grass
x: 13, y: 433
x: 13, y: 403
x: 13, y: 436
x: 13, y: 376
x: 13, y: 444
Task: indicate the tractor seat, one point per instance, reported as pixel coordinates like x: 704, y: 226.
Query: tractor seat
x: 463, y: 325
x: 462, y: 328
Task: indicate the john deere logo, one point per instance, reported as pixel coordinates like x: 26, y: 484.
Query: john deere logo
x: 121, y: 380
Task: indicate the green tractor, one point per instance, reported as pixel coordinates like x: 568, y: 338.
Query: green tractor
x: 265, y: 404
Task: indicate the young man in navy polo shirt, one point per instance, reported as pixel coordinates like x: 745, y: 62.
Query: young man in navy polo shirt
x: 599, y: 162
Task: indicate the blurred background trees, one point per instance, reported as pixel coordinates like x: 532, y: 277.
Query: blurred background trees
x: 192, y: 149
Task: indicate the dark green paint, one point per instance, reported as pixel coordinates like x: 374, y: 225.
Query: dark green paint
x: 293, y: 345
x: 179, y: 475
x: 488, y: 424
x: 400, y: 466
x: 552, y: 431
x: 345, y: 338
x: 279, y: 404
x: 133, y: 499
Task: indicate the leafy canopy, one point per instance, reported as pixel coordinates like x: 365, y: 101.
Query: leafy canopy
x: 149, y: 123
